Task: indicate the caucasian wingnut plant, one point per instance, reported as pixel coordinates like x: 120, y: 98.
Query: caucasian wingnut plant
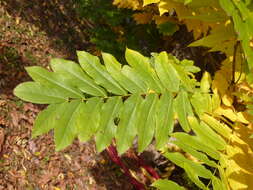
x: 149, y: 97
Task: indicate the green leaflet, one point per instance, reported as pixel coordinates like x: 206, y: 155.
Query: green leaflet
x: 127, y: 128
x: 45, y: 120
x: 164, y: 184
x: 74, y: 72
x: 52, y: 80
x: 186, y: 82
x: 96, y: 70
x: 114, y: 68
x: 205, y: 133
x: 164, y: 119
x: 217, y: 184
x: 193, y: 176
x: 168, y: 28
x: 107, y: 127
x: 135, y: 77
x: 166, y: 72
x: 89, y: 117
x: 142, y: 66
x: 66, y: 124
x: 188, y: 66
x: 202, y: 103
x: 197, y: 144
x: 205, y: 83
x: 185, y: 146
x: 194, y: 170
x: 181, y: 161
x: 183, y: 109
x: 63, y: 119
x: 146, y: 121
x: 36, y: 93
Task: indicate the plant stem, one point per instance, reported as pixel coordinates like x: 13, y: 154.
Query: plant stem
x: 112, y: 152
x: 148, y: 168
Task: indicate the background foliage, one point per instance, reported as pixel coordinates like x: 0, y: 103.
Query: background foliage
x: 112, y: 29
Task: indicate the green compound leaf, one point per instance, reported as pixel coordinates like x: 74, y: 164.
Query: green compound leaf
x: 115, y: 104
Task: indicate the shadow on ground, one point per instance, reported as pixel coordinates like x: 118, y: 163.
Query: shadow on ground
x: 57, y: 18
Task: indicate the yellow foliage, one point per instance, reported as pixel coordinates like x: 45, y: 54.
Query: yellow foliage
x: 197, y: 19
x: 239, y: 169
x: 208, y: 20
x: 147, y: 2
x: 238, y: 158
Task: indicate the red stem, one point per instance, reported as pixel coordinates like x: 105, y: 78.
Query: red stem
x: 148, y: 168
x: 112, y: 151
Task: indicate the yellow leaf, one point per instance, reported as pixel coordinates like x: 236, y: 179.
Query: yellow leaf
x: 227, y: 100
x: 220, y: 83
x: 184, y: 13
x: 241, y: 118
x: 227, y: 112
x: 164, y: 7
x: 240, y: 159
x: 147, y: 2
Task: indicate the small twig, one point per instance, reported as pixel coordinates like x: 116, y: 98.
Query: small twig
x: 234, y: 64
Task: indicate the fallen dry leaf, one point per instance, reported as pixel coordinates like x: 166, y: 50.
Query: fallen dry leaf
x: 1, y: 138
